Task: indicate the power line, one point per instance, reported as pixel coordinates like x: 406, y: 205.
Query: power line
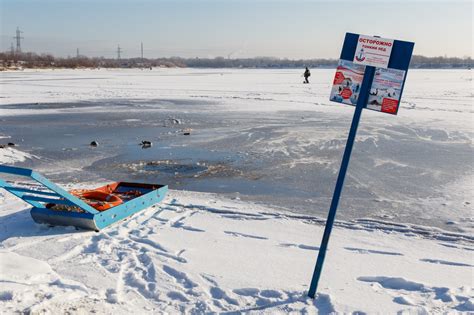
x: 18, y: 39
x: 119, y: 50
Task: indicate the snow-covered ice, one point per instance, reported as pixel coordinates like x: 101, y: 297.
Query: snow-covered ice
x: 270, y: 148
x: 260, y: 133
x: 9, y: 155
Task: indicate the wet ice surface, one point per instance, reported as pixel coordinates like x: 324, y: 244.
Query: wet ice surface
x: 402, y: 170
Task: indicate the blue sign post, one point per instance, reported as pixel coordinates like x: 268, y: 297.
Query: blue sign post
x: 371, y: 74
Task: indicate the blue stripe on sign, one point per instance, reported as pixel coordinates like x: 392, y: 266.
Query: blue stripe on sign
x: 349, y: 46
x: 401, y: 55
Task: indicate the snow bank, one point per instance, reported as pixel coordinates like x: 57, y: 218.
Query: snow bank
x: 199, y: 253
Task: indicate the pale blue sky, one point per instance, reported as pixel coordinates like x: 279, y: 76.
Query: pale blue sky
x: 239, y: 28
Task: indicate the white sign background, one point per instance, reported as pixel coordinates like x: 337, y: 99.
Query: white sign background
x: 373, y: 51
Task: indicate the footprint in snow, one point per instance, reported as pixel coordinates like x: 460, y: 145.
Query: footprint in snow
x: 257, y: 293
x: 179, y: 224
x: 300, y: 246
x: 419, y: 294
x: 395, y: 283
x: 247, y: 291
x: 237, y: 234
x: 445, y: 262
x: 179, y: 277
x: 271, y: 294
x: 372, y: 251
x: 111, y: 296
x: 177, y: 296
x: 6, y: 296
x: 219, y: 294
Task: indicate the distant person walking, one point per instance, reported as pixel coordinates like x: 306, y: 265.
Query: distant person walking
x: 306, y: 75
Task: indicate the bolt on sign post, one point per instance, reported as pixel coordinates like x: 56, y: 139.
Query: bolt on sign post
x: 371, y: 74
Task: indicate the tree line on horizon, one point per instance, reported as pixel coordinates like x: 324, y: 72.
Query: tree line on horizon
x: 34, y: 60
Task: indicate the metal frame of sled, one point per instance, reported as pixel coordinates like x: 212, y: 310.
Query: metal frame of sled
x: 88, y: 217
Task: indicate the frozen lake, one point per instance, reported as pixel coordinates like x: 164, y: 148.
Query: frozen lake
x: 257, y: 135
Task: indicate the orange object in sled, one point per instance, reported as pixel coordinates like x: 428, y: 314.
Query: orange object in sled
x: 98, y: 199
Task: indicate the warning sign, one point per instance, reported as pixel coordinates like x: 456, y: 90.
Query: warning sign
x: 339, y: 78
x: 347, y: 82
x: 384, y: 94
x: 373, y: 51
x: 389, y: 105
x: 363, y: 77
x: 346, y: 93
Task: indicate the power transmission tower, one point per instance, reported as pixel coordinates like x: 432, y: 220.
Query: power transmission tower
x: 18, y: 39
x: 142, y: 50
x: 119, y: 50
x: 77, y: 53
x: 12, y: 50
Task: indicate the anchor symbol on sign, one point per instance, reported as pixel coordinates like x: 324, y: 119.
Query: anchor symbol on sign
x: 361, y: 56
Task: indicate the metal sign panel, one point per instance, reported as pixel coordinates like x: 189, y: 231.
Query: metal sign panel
x: 373, y: 51
x: 390, y: 59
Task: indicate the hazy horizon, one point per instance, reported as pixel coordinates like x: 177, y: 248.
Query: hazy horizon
x: 235, y: 29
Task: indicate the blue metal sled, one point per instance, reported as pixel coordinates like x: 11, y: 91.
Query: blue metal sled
x: 54, y: 206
